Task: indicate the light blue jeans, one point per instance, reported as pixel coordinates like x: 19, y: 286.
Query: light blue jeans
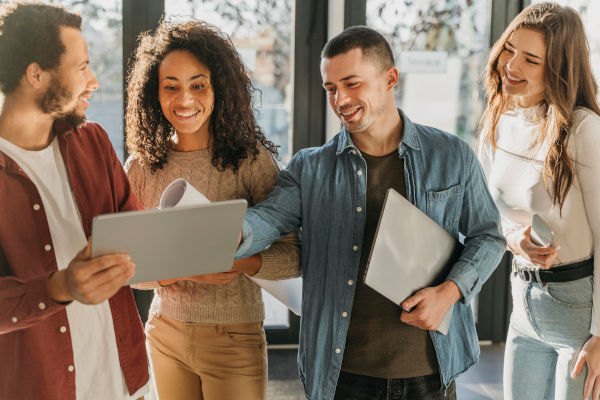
x: 549, y: 324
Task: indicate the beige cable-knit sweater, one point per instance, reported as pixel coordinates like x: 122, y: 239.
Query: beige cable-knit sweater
x: 241, y: 299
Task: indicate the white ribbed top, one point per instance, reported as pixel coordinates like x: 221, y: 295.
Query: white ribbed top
x: 514, y: 173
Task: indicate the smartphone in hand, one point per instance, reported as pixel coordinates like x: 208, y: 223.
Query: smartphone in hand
x: 541, y: 234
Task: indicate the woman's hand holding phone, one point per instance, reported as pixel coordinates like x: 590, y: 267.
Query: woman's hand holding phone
x: 520, y: 243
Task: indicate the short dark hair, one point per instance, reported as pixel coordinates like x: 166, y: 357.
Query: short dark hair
x: 371, y: 42
x: 30, y: 32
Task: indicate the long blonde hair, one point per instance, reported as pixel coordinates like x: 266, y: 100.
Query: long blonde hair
x: 569, y: 83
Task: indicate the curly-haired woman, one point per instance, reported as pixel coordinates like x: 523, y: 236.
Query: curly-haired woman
x: 541, y: 152
x: 190, y: 115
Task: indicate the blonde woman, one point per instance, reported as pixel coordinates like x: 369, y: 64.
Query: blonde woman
x: 540, y: 148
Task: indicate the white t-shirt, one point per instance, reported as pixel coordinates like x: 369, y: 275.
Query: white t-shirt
x: 97, y: 368
x: 515, y: 179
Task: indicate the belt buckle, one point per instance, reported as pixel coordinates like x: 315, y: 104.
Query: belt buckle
x: 525, y: 274
x: 529, y: 275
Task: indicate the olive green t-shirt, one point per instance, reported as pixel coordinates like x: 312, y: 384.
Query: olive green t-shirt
x: 378, y: 344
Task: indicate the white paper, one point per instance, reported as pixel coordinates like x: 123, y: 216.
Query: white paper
x: 181, y: 193
x: 287, y: 291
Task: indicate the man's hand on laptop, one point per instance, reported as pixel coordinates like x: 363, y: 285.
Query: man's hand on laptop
x: 428, y: 306
x: 90, y: 280
x: 249, y: 266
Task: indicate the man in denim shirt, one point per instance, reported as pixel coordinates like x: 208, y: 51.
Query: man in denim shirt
x: 355, y: 344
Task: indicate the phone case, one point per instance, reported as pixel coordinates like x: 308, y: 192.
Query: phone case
x: 541, y: 234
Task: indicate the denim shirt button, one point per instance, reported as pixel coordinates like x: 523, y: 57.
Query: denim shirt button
x: 350, y: 282
x: 358, y: 209
x: 359, y: 172
x: 337, y: 351
x: 355, y: 248
x: 353, y: 151
x: 344, y: 314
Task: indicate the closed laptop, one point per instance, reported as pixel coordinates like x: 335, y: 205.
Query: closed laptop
x: 410, y: 252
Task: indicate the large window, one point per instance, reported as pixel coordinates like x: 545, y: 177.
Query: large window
x: 440, y: 48
x: 102, y: 29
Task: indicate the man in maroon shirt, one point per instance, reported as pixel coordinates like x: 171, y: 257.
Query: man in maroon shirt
x: 68, y: 327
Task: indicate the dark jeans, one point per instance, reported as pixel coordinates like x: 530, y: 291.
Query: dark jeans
x: 361, y: 387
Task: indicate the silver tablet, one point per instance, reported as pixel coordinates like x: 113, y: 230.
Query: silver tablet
x: 174, y: 242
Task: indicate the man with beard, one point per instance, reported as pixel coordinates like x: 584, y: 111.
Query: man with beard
x: 68, y: 329
x: 354, y: 343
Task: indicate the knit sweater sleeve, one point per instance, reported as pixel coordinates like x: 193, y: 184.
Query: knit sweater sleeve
x: 282, y: 259
x: 136, y: 175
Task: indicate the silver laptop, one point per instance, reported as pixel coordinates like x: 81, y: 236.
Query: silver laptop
x: 173, y: 242
x: 409, y: 253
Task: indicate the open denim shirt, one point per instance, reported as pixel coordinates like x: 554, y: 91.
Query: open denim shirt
x: 323, y: 192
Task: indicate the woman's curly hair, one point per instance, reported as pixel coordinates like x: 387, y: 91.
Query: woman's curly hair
x: 233, y: 128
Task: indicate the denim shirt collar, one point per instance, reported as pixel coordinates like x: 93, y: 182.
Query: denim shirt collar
x: 409, y: 137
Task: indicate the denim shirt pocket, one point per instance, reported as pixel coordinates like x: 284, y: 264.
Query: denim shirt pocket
x: 444, y: 207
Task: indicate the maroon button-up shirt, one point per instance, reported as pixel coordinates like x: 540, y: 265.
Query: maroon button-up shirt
x: 35, y: 353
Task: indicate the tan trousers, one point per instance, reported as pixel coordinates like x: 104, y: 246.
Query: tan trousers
x: 207, y: 361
